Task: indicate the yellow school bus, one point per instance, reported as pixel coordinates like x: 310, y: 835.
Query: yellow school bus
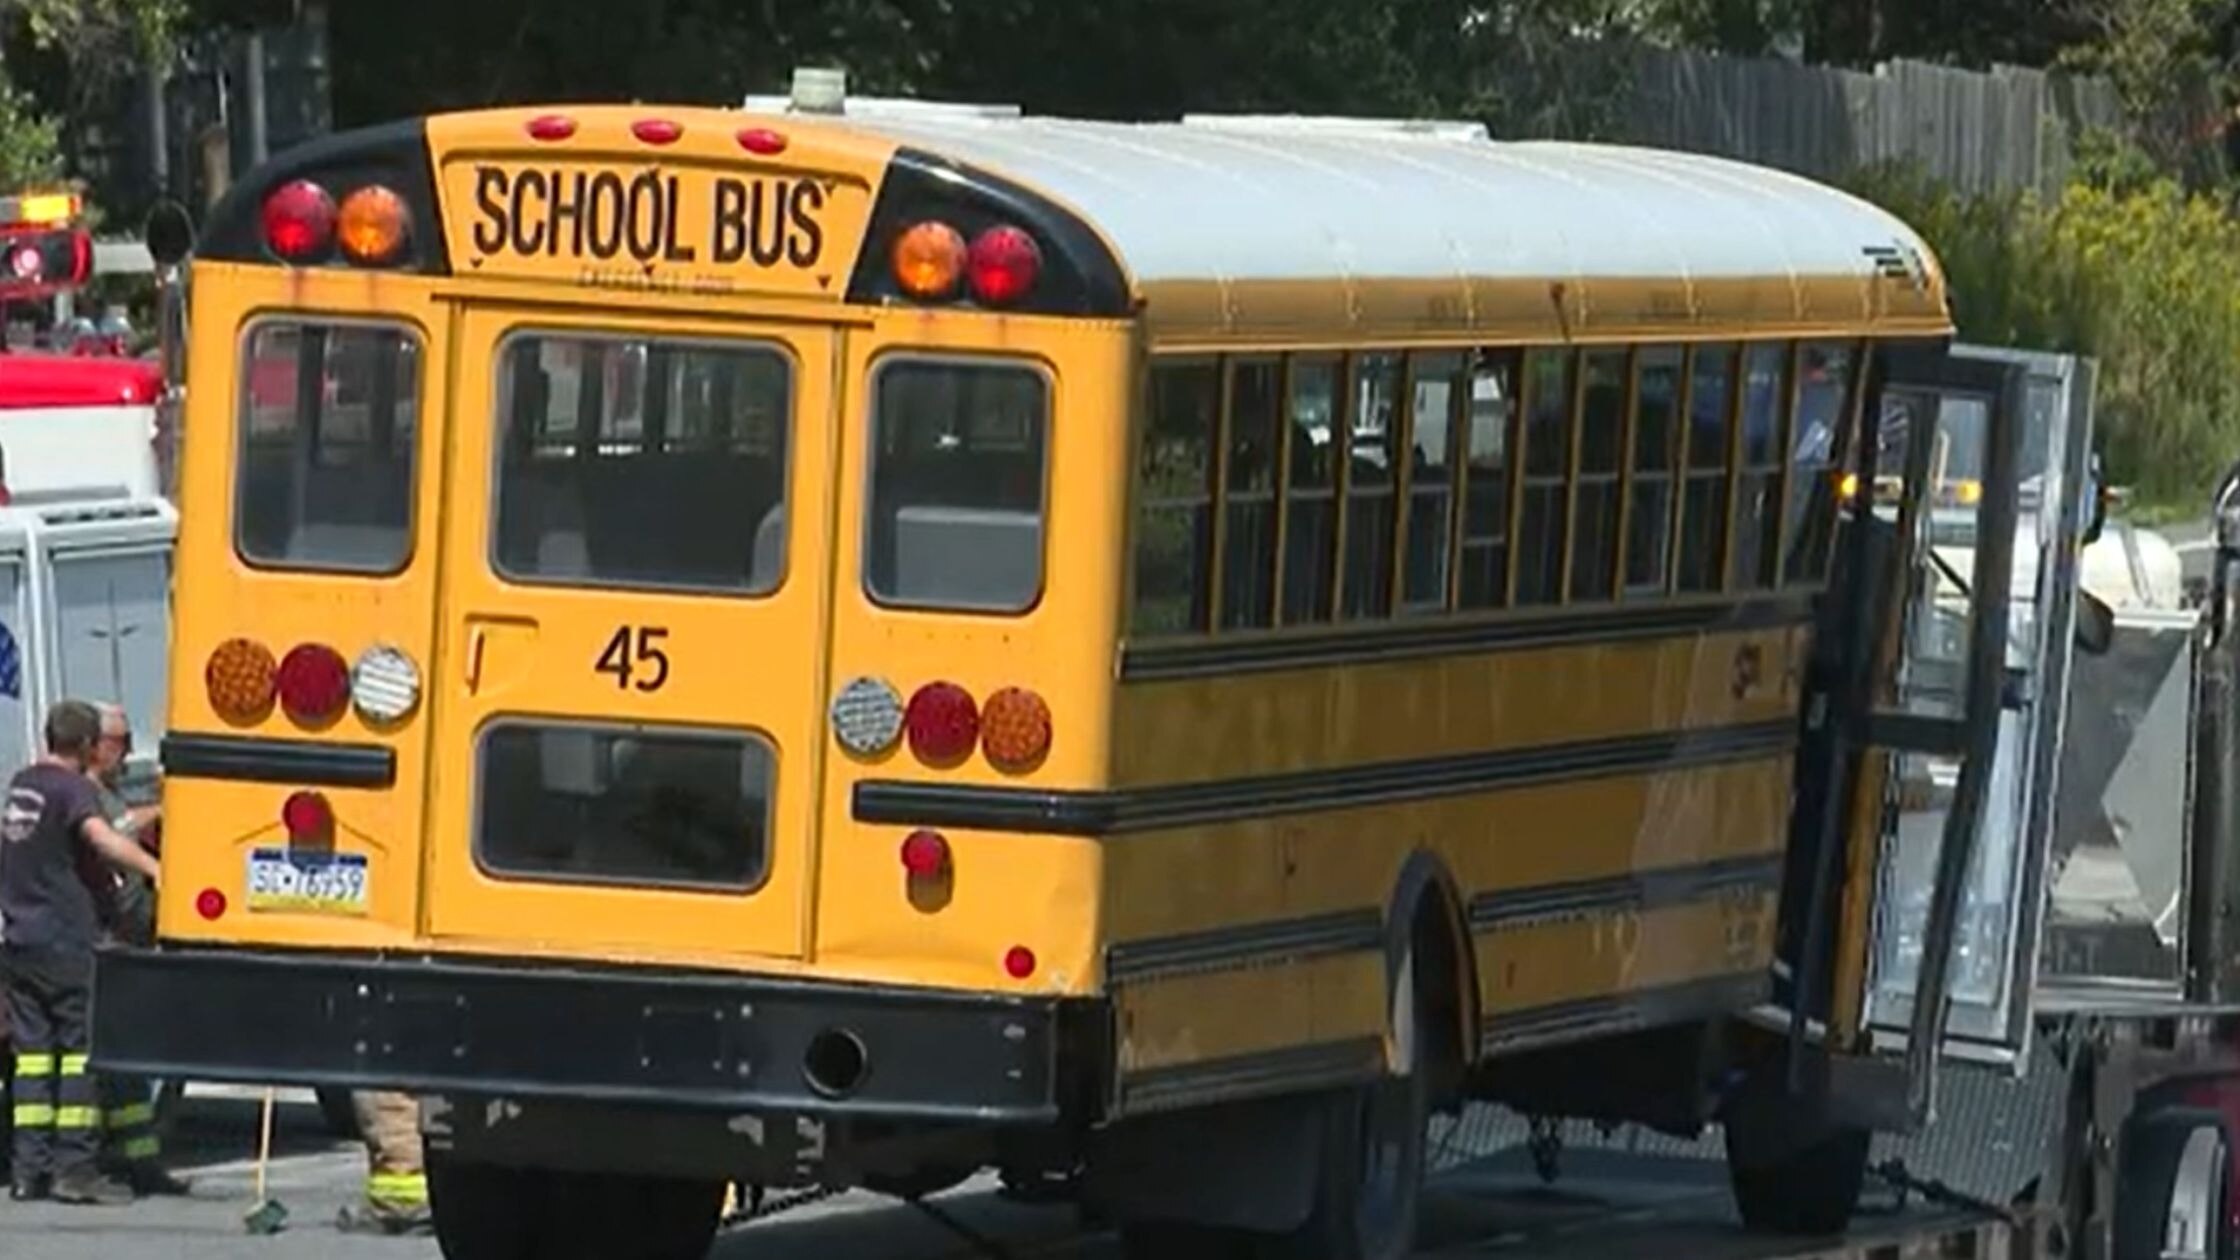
x: 851, y: 642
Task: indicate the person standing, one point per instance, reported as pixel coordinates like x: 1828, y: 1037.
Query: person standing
x: 396, y: 1198
x: 49, y: 926
x: 132, y: 1147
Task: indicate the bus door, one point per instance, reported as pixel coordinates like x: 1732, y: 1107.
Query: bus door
x: 631, y: 647
x: 1897, y: 769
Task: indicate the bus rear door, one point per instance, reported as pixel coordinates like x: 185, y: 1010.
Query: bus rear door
x: 631, y: 636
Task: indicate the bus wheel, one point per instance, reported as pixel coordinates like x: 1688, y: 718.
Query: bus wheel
x: 1373, y: 1157
x: 2172, y: 1185
x: 1807, y: 1190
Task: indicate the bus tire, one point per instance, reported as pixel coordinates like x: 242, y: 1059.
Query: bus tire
x: 1374, y: 1149
x: 2174, y: 1174
x: 1809, y: 1189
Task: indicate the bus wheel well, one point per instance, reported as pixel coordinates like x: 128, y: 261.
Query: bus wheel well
x: 1429, y: 949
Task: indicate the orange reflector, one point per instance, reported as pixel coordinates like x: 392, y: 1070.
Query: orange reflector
x: 1015, y: 728
x: 929, y: 260
x: 243, y: 680
x: 1848, y: 487
x: 373, y: 225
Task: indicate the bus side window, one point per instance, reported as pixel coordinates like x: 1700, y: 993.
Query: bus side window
x: 1656, y: 450
x: 959, y: 485
x: 1310, y: 517
x: 1248, y: 563
x: 1487, y: 439
x: 328, y: 445
x: 1547, y: 465
x: 1821, y: 452
x: 1594, y: 524
x: 1703, y: 509
x: 1438, y: 387
x: 1174, y: 477
x: 1760, y: 485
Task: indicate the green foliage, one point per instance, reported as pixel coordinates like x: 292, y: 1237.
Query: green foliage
x: 2145, y: 279
x: 30, y: 151
x: 97, y: 42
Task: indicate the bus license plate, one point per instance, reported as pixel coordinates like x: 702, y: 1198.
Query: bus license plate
x: 313, y: 883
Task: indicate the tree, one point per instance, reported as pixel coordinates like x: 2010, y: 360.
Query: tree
x: 57, y: 59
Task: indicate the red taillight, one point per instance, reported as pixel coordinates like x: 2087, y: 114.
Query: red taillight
x: 299, y: 221
x: 314, y: 683
x: 550, y: 127
x: 1002, y: 265
x: 942, y: 721
x: 210, y: 903
x: 1018, y: 962
x: 925, y: 854
x: 762, y: 141
x: 656, y: 130
x: 309, y: 819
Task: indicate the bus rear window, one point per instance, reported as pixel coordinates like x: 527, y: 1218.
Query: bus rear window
x: 328, y: 429
x: 643, y: 463
x: 958, y: 455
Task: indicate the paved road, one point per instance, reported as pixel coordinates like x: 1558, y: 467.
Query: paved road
x: 1604, y: 1209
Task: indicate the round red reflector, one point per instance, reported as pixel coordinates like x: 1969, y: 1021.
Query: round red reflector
x: 550, y: 127
x: 307, y: 816
x: 1002, y: 265
x: 656, y: 130
x: 314, y: 683
x: 942, y: 722
x: 925, y: 854
x: 210, y: 903
x: 1018, y: 962
x: 761, y: 140
x: 299, y: 221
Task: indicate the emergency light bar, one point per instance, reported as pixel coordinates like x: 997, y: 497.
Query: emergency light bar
x: 40, y: 210
x: 34, y: 263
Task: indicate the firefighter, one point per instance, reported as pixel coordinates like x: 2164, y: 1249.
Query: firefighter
x: 131, y: 1147
x: 49, y: 927
x: 396, y: 1198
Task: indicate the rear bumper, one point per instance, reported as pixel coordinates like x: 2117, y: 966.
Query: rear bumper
x: 475, y: 1028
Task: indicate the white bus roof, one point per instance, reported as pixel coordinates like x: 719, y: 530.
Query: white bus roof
x: 1295, y: 223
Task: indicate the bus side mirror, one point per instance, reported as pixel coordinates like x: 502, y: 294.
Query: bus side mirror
x: 2096, y: 624
x: 170, y: 233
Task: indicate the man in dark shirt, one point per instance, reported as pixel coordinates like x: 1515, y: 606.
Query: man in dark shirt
x: 49, y: 925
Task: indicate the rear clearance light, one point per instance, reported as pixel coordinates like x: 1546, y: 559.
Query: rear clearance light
x: 656, y: 130
x: 925, y: 854
x: 384, y: 685
x: 373, y: 226
x: 1002, y: 266
x: 929, y: 259
x: 299, y: 221
x: 943, y: 723
x: 314, y: 684
x: 761, y: 141
x: 1015, y: 729
x: 242, y: 680
x: 550, y: 127
x: 309, y: 820
x: 867, y: 716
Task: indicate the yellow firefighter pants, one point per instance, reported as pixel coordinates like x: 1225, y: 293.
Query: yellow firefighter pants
x: 396, y: 1177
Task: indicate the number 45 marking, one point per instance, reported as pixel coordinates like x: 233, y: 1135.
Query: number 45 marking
x: 631, y: 648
